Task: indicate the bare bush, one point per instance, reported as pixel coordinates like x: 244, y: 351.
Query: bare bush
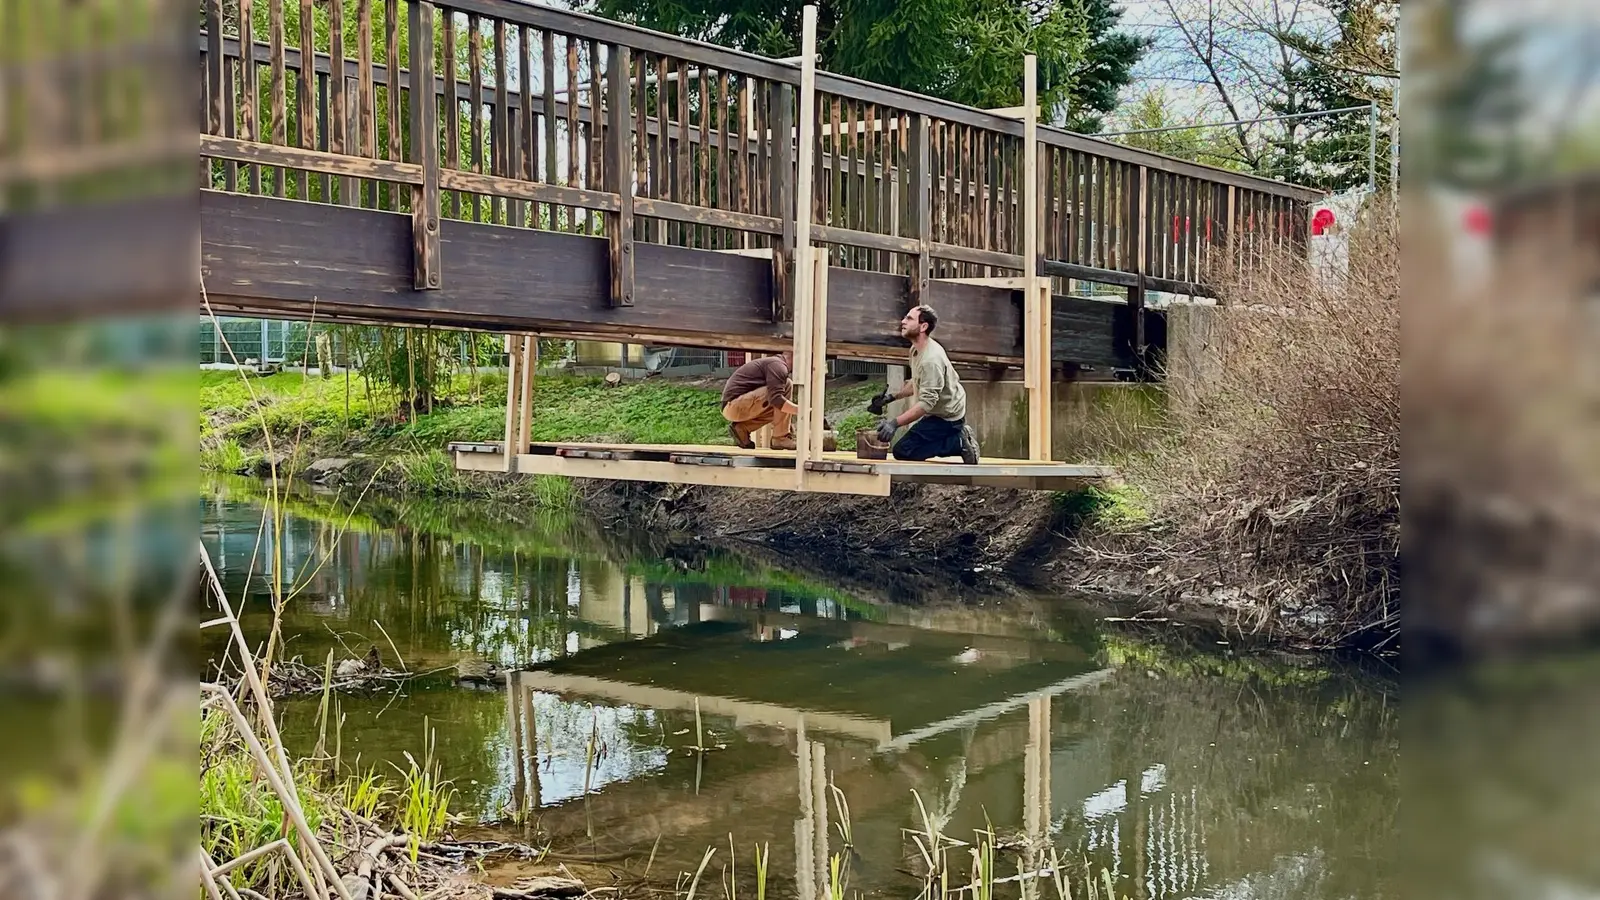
x: 1277, y: 492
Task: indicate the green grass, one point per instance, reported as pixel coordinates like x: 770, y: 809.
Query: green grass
x: 1110, y: 508
x: 227, y: 456
x: 309, y: 416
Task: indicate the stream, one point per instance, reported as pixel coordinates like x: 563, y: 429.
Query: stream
x: 829, y: 724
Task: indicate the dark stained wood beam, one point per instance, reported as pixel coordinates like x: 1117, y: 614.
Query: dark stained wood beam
x: 262, y: 255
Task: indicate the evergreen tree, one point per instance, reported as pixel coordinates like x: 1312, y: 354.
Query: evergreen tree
x: 967, y: 51
x: 1353, y: 66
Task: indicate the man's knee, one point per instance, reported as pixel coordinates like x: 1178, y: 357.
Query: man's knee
x: 912, y: 447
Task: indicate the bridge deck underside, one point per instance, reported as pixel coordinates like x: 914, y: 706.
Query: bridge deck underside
x: 838, y: 472
x: 286, y: 258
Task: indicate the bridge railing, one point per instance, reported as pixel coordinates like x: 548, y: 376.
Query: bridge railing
x: 509, y: 113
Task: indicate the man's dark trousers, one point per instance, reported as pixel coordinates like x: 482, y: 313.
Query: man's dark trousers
x: 930, y: 436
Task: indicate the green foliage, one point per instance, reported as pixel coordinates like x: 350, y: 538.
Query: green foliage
x: 968, y: 51
x: 1151, y: 109
x: 226, y: 456
x: 1117, y: 507
x: 240, y: 812
x: 655, y: 411
x: 423, y: 799
x: 428, y: 471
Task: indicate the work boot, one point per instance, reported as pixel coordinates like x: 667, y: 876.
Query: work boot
x: 969, y: 445
x: 740, y: 438
x: 783, y: 443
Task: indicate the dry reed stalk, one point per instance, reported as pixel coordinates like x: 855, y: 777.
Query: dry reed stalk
x: 275, y: 766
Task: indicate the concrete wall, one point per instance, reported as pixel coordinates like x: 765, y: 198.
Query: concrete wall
x: 1192, y: 359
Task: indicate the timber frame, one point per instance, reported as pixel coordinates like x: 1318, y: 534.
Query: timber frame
x: 568, y: 176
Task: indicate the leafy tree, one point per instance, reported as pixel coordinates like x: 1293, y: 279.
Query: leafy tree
x: 967, y: 51
x: 1151, y: 109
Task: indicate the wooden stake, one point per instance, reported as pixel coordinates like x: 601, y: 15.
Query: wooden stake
x: 816, y: 396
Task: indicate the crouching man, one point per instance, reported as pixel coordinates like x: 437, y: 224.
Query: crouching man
x: 938, y: 415
x: 756, y: 394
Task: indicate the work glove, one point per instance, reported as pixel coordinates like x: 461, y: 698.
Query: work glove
x: 877, y: 405
x: 886, y: 429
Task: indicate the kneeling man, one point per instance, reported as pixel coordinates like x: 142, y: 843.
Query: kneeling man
x: 938, y: 417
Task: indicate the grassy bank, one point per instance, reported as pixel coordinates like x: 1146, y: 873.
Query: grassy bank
x: 295, y: 419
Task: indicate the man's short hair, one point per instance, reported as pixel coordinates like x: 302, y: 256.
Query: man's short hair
x: 927, y: 316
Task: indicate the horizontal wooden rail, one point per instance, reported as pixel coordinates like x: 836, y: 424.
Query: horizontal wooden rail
x: 518, y: 189
x: 705, y: 215
x: 829, y: 234
x: 958, y: 253
x: 321, y: 161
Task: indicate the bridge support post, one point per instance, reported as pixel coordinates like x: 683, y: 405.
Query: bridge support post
x: 1036, y: 290
x: 619, y: 174
x: 810, y: 342
x: 424, y: 149
x: 1136, y: 294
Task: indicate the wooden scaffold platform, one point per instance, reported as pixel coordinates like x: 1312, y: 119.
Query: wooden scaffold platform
x: 809, y: 467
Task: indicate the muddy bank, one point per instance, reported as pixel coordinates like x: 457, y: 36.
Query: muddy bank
x: 938, y: 544
x: 923, y: 543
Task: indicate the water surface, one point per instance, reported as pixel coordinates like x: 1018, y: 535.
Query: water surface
x: 1182, y: 774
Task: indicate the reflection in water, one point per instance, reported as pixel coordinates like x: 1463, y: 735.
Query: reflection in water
x: 1188, y: 777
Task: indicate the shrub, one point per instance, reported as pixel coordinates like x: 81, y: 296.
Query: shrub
x: 1280, y: 475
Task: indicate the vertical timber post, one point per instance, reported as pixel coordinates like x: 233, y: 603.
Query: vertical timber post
x: 1036, y: 298
x: 783, y: 200
x: 619, y: 174
x: 804, y: 264
x: 424, y: 148
x: 817, y: 392
x: 513, y: 350
x: 530, y: 360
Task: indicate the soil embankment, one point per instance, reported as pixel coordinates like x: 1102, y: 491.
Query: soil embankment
x: 922, y: 543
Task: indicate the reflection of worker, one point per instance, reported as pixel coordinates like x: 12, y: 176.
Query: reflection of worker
x: 938, y: 417
x: 757, y: 393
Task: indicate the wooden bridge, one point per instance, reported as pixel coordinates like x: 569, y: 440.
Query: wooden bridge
x: 498, y: 165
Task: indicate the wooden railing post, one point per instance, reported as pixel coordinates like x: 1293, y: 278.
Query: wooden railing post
x: 619, y: 173
x: 921, y: 204
x: 783, y: 203
x: 424, y: 148
x: 1136, y: 293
